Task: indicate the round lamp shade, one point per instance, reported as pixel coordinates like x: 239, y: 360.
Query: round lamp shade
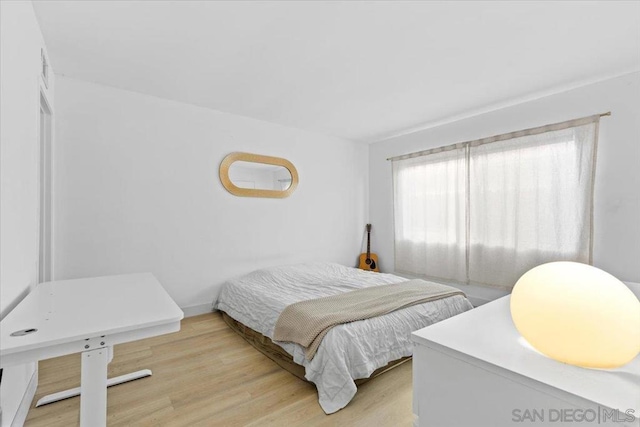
x: 577, y: 314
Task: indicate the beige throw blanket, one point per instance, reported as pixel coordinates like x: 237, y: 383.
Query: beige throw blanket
x: 307, y: 322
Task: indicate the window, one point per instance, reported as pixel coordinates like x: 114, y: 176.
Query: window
x: 487, y: 211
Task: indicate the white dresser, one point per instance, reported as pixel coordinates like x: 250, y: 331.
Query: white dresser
x: 474, y: 369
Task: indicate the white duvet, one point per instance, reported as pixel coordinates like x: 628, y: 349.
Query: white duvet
x: 349, y: 351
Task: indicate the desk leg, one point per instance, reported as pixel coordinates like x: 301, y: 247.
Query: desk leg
x: 93, y: 387
x: 73, y: 392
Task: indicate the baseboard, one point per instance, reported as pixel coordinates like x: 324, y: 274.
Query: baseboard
x: 25, y: 403
x: 195, y: 310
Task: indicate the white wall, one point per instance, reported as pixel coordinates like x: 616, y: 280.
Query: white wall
x: 20, y: 44
x: 137, y: 189
x: 617, y: 190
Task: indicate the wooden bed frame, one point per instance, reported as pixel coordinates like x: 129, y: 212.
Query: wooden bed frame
x: 276, y: 353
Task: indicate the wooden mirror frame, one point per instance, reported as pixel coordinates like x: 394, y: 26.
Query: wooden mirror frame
x: 257, y: 158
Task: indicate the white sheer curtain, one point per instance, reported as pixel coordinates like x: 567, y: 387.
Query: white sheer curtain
x: 430, y: 215
x: 487, y: 211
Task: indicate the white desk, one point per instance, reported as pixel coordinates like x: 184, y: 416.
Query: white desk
x: 474, y: 369
x: 88, y: 316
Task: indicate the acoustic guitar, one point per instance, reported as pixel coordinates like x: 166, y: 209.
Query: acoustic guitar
x: 369, y: 261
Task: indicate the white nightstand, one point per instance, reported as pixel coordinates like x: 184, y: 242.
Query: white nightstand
x: 474, y: 369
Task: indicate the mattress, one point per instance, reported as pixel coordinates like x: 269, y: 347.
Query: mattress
x: 283, y: 359
x: 348, y: 352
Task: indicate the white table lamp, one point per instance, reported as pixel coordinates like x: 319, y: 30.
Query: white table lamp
x: 577, y: 314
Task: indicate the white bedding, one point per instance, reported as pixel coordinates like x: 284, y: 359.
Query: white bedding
x: 349, y: 351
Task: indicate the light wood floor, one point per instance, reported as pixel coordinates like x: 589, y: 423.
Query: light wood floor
x: 206, y: 375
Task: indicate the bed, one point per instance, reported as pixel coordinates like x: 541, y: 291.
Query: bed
x: 349, y: 353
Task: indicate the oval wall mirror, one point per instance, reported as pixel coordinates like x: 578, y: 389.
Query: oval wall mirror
x: 254, y: 175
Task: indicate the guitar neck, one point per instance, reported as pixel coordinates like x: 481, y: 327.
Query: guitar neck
x: 368, y: 244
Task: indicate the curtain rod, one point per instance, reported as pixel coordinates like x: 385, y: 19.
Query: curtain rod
x: 504, y: 136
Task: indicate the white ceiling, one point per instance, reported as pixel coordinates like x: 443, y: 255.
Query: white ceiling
x: 358, y: 70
